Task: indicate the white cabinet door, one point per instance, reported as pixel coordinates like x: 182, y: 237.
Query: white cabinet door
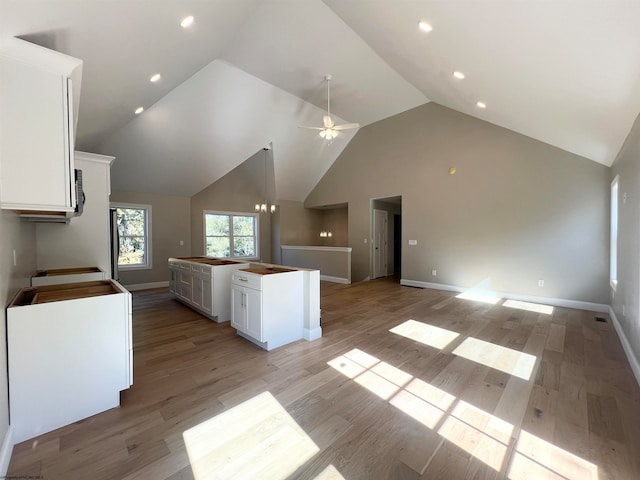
x: 238, y: 312
x: 173, y: 277
x: 246, y: 311
x: 253, y: 311
x: 185, y: 283
x: 196, y: 282
x: 36, y: 141
x: 207, y: 295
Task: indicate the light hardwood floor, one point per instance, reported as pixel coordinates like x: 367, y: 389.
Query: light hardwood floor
x: 467, y: 390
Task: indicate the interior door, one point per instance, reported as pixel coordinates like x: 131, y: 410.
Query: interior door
x: 379, y: 243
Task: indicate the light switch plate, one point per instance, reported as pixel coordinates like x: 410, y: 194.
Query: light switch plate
x: 413, y: 242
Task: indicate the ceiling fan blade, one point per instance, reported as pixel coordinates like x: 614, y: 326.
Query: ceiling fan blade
x: 328, y: 121
x: 346, y: 126
x: 311, y: 128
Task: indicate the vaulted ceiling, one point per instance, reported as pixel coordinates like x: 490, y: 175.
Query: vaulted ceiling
x: 248, y: 72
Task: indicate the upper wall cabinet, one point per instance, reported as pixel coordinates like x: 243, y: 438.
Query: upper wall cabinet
x: 39, y: 92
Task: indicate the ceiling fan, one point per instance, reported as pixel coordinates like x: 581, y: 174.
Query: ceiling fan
x: 330, y: 131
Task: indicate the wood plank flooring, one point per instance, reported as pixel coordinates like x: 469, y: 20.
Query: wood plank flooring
x: 470, y: 390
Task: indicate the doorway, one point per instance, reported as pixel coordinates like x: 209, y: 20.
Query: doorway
x: 386, y: 237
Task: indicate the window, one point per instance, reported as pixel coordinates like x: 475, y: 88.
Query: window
x: 134, y: 231
x: 230, y: 235
x: 613, y: 268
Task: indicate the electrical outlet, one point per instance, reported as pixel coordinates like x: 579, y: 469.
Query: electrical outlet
x: 541, y: 283
x: 433, y: 272
x: 182, y: 243
x: 365, y: 240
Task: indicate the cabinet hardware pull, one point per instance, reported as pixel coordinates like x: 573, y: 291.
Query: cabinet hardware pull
x: 242, y: 279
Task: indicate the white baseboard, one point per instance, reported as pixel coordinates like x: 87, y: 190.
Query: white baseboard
x: 328, y: 278
x: 146, y: 286
x: 5, y: 452
x: 312, y: 334
x: 633, y: 360
x: 556, y: 302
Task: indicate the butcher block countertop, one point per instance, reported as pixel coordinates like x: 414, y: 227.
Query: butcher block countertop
x: 68, y: 291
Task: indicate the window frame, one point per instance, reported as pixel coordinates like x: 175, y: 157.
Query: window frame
x: 148, y: 265
x: 256, y: 233
x: 613, y: 239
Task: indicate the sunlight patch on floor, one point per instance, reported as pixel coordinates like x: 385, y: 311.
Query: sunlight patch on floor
x: 329, y: 473
x: 495, y: 356
x: 530, y: 307
x: 479, y: 433
x: 426, y: 334
x: 256, y: 439
x: 479, y: 296
x: 537, y: 458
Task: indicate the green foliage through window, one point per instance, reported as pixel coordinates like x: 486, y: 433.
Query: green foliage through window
x: 132, y: 229
x: 229, y: 235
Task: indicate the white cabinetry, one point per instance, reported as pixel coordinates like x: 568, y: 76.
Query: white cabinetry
x: 267, y: 305
x: 37, y: 127
x: 203, y: 284
x: 69, y: 350
x: 85, y: 240
x: 247, y: 311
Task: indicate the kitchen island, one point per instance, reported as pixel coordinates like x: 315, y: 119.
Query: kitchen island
x: 203, y: 283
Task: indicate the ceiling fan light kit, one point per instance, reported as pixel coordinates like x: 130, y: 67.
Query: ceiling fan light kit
x: 329, y: 130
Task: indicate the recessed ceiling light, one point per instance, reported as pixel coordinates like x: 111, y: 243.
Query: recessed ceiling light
x: 187, y: 21
x: 424, y: 26
x: 458, y: 74
x: 481, y: 105
x: 155, y: 77
x: 139, y: 110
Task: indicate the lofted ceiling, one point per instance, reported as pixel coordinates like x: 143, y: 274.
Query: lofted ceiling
x: 248, y: 72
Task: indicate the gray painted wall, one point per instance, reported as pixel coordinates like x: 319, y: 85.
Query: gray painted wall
x: 329, y: 262
x: 170, y: 224
x: 18, y: 236
x: 516, y: 211
x: 299, y: 225
x: 238, y: 191
x: 335, y: 220
x: 627, y: 166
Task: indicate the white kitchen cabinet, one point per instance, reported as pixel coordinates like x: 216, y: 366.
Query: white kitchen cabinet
x: 203, y: 283
x: 267, y: 305
x: 246, y: 314
x: 70, y: 353
x: 37, y: 127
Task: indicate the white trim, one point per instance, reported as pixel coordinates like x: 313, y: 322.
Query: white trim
x: 328, y: 278
x: 148, y: 265
x: 313, y: 247
x: 633, y: 360
x: 94, y: 157
x: 614, y: 217
x: 556, y: 302
x: 146, y: 286
x: 256, y: 232
x: 5, y: 453
x: 314, y: 334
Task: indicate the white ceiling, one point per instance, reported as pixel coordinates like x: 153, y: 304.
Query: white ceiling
x: 249, y: 71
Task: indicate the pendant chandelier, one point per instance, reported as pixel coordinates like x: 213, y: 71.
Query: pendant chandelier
x: 265, y: 207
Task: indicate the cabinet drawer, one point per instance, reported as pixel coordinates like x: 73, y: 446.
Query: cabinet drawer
x: 246, y: 279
